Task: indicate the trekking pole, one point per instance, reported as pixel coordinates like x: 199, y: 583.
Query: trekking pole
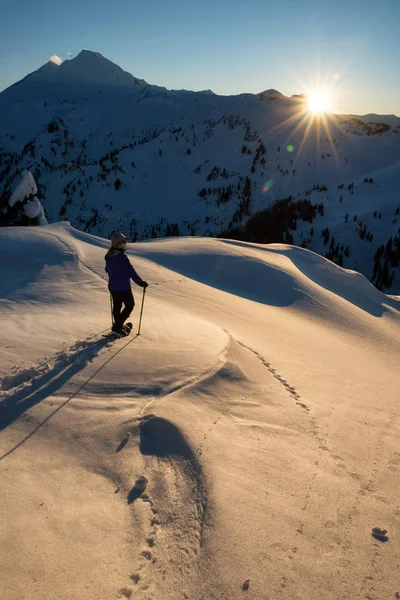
x: 111, y: 305
x: 141, y: 312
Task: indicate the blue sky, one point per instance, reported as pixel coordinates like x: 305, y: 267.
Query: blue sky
x: 351, y: 47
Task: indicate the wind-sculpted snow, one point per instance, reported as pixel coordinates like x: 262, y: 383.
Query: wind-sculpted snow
x: 349, y: 285
x: 245, y: 444
x: 159, y: 437
x: 277, y: 275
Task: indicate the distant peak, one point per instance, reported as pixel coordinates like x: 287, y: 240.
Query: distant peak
x: 182, y: 91
x: 49, y: 65
x: 270, y: 95
x: 272, y: 92
x: 89, y: 53
x: 92, y: 68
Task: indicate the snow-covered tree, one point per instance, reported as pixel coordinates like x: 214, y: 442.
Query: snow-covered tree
x: 25, y: 195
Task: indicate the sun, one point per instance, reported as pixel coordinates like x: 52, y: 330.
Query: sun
x: 319, y: 101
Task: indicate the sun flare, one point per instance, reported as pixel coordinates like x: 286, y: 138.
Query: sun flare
x: 312, y: 115
x: 318, y: 101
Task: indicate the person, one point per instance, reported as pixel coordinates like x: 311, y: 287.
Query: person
x: 120, y: 272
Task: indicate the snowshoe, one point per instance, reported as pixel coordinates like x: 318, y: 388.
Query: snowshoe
x: 128, y: 328
x: 118, y: 331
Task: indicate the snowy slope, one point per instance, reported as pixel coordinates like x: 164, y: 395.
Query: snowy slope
x: 109, y: 151
x: 260, y: 402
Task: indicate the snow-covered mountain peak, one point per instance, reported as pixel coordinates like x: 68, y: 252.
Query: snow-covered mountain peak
x: 47, y: 67
x: 91, y: 67
x: 44, y: 74
x: 89, y: 54
x: 272, y: 94
x: 88, y: 69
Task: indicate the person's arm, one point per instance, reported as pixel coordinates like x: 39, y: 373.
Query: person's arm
x: 106, y: 267
x: 133, y: 275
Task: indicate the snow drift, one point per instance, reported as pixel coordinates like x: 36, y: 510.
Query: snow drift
x: 244, y: 443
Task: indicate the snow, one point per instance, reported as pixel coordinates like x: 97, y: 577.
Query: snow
x: 81, y: 125
x: 245, y: 442
x: 34, y: 209
x: 24, y: 192
x: 25, y: 188
x: 56, y: 59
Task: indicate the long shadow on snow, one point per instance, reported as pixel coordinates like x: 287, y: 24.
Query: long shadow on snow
x: 15, y: 404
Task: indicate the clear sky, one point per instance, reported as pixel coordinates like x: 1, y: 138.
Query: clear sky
x: 351, y: 47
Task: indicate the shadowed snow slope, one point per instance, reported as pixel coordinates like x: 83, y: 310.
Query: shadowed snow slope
x: 259, y: 403
x: 274, y: 274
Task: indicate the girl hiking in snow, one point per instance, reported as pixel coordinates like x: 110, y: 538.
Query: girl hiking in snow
x: 120, y: 272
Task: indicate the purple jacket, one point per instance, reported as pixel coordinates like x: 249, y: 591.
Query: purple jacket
x: 120, y: 271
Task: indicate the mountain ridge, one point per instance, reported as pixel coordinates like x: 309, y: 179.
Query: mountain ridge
x: 157, y: 162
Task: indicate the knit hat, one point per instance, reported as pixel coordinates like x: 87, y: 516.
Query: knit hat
x: 116, y: 238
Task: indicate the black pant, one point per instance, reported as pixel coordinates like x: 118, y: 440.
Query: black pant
x: 120, y: 298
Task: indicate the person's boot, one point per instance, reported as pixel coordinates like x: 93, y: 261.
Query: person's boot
x: 118, y: 329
